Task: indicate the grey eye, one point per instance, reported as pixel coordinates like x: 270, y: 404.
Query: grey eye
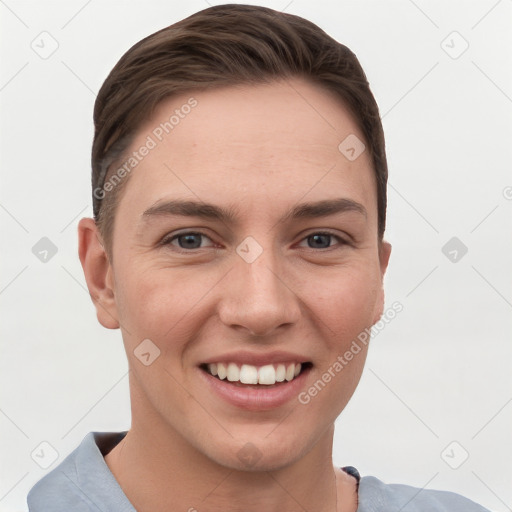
x: 189, y: 240
x: 322, y: 240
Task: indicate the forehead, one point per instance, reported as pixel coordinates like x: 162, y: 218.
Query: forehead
x: 292, y: 114
x: 266, y: 142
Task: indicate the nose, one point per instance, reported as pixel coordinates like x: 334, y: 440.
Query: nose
x: 259, y: 298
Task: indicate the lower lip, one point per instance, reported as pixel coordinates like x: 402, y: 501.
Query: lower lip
x: 256, y: 397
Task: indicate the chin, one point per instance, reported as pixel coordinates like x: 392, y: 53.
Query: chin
x: 257, y: 452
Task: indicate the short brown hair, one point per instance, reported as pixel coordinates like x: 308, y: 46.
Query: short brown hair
x: 219, y: 46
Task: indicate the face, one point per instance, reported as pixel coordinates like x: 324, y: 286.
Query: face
x: 275, y: 282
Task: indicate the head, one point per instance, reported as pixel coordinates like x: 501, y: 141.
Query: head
x: 253, y: 134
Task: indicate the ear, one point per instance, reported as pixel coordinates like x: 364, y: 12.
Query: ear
x: 384, y: 254
x: 98, y: 273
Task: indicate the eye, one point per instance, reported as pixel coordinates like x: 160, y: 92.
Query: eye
x: 321, y: 240
x: 188, y: 240
x: 192, y: 240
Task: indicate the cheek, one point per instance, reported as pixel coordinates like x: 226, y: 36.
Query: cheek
x: 346, y: 301
x: 158, y: 304
x: 344, y: 307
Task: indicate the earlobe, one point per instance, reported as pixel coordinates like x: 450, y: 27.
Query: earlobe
x: 384, y: 254
x: 98, y: 273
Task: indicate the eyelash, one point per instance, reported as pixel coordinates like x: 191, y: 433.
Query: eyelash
x: 168, y: 240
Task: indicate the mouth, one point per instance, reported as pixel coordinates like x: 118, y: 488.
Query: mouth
x: 255, y: 388
x: 251, y: 376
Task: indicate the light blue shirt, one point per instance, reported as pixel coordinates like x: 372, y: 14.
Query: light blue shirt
x: 83, y: 482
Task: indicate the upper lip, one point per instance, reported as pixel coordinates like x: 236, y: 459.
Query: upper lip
x: 246, y: 357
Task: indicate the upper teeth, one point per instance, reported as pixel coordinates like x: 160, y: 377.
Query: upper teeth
x: 249, y: 374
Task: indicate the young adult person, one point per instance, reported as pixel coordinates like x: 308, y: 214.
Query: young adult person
x: 239, y: 189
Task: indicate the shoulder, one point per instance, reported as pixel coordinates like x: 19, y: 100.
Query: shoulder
x: 60, y: 488
x: 375, y: 495
x: 82, y: 482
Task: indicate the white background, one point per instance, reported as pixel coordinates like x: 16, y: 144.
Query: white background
x: 440, y: 372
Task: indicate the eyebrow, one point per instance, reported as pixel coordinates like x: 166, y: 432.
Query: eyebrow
x: 228, y: 215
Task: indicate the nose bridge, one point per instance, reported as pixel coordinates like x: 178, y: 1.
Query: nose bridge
x: 258, y: 297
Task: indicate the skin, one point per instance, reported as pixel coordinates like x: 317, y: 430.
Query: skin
x: 262, y: 149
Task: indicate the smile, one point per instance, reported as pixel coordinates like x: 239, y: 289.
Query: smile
x: 268, y: 374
